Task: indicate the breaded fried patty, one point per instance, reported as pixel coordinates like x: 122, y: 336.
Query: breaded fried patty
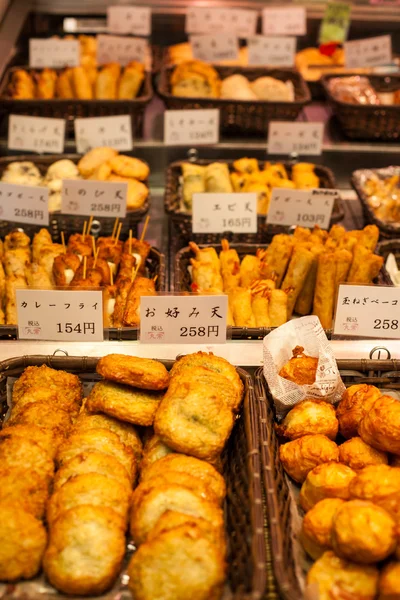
x: 44, y: 415
x: 144, y: 373
x: 45, y: 438
x: 28, y: 490
x: 67, y: 385
x: 17, y: 451
x: 153, y: 450
x: 222, y: 386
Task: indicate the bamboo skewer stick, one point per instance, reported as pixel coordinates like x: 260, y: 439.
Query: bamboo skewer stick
x: 63, y: 241
x: 90, y: 224
x: 114, y: 231
x: 93, y: 246
x: 130, y: 241
x: 118, y: 234
x: 84, y: 229
x: 84, y: 267
x: 145, y: 228
x: 111, y: 275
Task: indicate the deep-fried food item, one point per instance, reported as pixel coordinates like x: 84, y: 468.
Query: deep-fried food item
x: 43, y: 414
x: 230, y: 266
x: 22, y: 85
x: 64, y: 87
x: 380, y: 426
x: 299, y: 266
x: 277, y: 308
x: 128, y: 166
x: 144, y: 373
x: 139, y: 250
x: 23, y: 542
x: 355, y: 403
x: 317, y: 527
x: 240, y: 305
x: 85, y: 550
x: 250, y: 270
x: 137, y: 191
x: 221, y: 385
x: 375, y: 483
x: 12, y: 284
x: 363, y: 531
x: 365, y: 266
x: 325, y: 286
x: 16, y: 451
x: 301, y: 455
x: 80, y: 244
x: 276, y: 257
x: 81, y: 84
x: 154, y: 449
x: 389, y: 582
x: 45, y: 438
x: 65, y: 384
x: 304, y: 300
x: 46, y: 84
x: 343, y: 260
x: 391, y: 503
x: 142, y: 286
x: 356, y: 454
x: 330, y: 480
x: 131, y: 81
x: 107, y: 82
x: 64, y: 268
x: 16, y: 261
x: 309, y: 417
x: 300, y: 369
x: 94, y: 158
x: 37, y: 276
x: 18, y: 239
x: 28, y: 491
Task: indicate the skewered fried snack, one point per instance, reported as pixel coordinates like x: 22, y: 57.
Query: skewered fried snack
x: 64, y: 268
x: 139, y: 249
x: 80, y: 244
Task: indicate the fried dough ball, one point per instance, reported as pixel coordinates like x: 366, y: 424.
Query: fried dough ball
x: 375, y: 482
x: 330, y: 480
x: 300, y: 456
x: 300, y: 369
x: 43, y: 437
x: 17, y: 451
x: 68, y: 386
x: 380, y: 426
x: 317, y: 527
x: 389, y: 582
x: 356, y: 454
x: 177, y: 565
x: 44, y: 415
x: 309, y: 417
x: 124, y: 403
x: 347, y: 579
x: 363, y: 531
x: 355, y: 403
x: 85, y: 551
x: 144, y: 373
x: 153, y: 450
x: 23, y: 542
x: 27, y: 490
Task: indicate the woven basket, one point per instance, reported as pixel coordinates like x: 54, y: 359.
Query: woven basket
x: 246, y: 575
x: 389, y: 247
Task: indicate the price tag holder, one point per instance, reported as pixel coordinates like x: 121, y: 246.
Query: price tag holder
x: 186, y: 127
x: 214, y: 48
x: 24, y: 203
x: 286, y: 20
x: 97, y: 198
x: 60, y: 315
x: 115, y: 132
x: 302, y: 138
x: 240, y: 21
x: 170, y: 319
x: 335, y: 23
x: 121, y: 49
x: 53, y: 53
x: 217, y: 213
x: 274, y: 51
x: 370, y: 52
x: 368, y: 311
x: 301, y: 207
x: 36, y: 134
x: 135, y: 20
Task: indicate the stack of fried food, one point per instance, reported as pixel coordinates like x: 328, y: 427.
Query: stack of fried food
x: 349, y: 493
x: 383, y: 194
x: 180, y: 53
x: 296, y: 274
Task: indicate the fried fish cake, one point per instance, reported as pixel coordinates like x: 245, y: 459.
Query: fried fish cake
x: 329, y: 480
x: 221, y: 384
x: 389, y: 582
x: 29, y: 491
x: 45, y: 438
x: 128, y: 166
x: 375, y: 482
x: 301, y: 455
x: 356, y: 454
x: 85, y: 551
x: 144, y: 373
x: 52, y: 397
x: 310, y: 416
x: 317, y: 526
x: 44, y: 415
x: 153, y: 450
x: 380, y: 426
x: 355, y: 403
x: 44, y: 377
x: 94, y: 158
x: 177, y: 565
x: 124, y: 402
x: 16, y: 451
x: 23, y: 542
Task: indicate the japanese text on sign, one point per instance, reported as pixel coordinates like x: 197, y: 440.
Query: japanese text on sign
x: 53, y: 53
x: 371, y: 52
x: 287, y: 20
x: 217, y: 213
x: 24, y: 204
x: 368, y: 311
x: 115, y: 132
x: 36, y: 134
x: 185, y: 127
x: 114, y: 48
x: 301, y: 207
x: 183, y: 319
x: 301, y: 138
x: 234, y: 20
x: 60, y: 315
x: 335, y: 23
x: 97, y: 198
x: 214, y: 48
x: 275, y: 51
x: 135, y: 20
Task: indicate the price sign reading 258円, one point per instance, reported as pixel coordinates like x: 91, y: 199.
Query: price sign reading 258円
x: 97, y: 198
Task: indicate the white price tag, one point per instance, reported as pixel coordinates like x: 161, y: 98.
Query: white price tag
x: 301, y: 207
x: 285, y: 137
x: 186, y: 127
x: 217, y: 213
x: 115, y: 132
x: 36, y: 134
x: 54, y: 53
x: 24, y: 203
x: 275, y: 51
x: 368, y: 311
x: 186, y: 319
x: 235, y: 20
x: 371, y: 52
x: 285, y: 20
x: 214, y: 48
x: 114, y: 48
x: 129, y: 19
x: 60, y: 315
x: 97, y: 198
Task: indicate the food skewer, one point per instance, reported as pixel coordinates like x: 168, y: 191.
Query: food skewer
x: 144, y: 228
x: 115, y: 227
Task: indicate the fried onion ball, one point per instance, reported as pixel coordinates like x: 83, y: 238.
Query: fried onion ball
x: 300, y: 456
x: 309, y: 417
x: 375, y: 482
x: 380, y: 426
x: 144, y: 373
x: 23, y: 542
x: 363, y: 532
x: 28, y: 490
x: 317, y: 527
x: 300, y: 369
x: 17, y: 451
x: 330, y: 480
x: 389, y: 582
x: 356, y: 454
x: 355, y: 403
x: 153, y: 450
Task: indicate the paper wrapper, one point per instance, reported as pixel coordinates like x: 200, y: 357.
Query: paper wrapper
x: 277, y: 349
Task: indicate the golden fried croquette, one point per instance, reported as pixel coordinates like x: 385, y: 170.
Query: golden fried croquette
x: 309, y: 417
x: 153, y: 450
x: 44, y: 415
x: 330, y: 480
x: 300, y: 369
x: 124, y: 402
x: 389, y: 582
x: 363, y: 532
x: 300, y: 456
x: 67, y: 385
x: 143, y: 373
x: 129, y: 166
x: 19, y: 451
x: 347, y: 579
x: 391, y: 503
x: 355, y: 403
x: 177, y: 565
x: 45, y: 438
x: 375, y: 482
x: 85, y: 551
x: 94, y: 159
x: 317, y: 527
x: 44, y: 395
x: 222, y: 386
x: 380, y: 426
x: 27, y: 490
x: 23, y: 542
x: 356, y: 454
